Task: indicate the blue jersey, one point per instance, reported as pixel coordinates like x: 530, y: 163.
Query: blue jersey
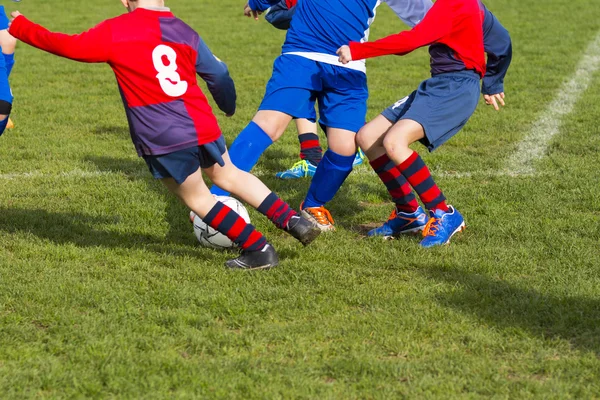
x: 320, y: 27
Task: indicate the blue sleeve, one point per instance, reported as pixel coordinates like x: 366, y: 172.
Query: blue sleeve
x: 216, y: 75
x: 498, y: 47
x: 261, y: 5
x: 280, y: 16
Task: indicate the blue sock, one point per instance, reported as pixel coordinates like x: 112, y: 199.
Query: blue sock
x: 9, y: 60
x: 331, y: 174
x: 245, y: 151
x: 3, y: 125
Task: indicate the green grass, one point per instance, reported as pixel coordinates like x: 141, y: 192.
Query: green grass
x: 104, y: 292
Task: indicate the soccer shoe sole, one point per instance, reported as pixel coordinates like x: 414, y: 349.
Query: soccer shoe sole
x: 322, y: 228
x: 234, y: 266
x: 291, y: 178
x: 408, y: 232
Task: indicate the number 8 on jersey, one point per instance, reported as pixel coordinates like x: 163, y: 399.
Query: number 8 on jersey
x: 169, y: 79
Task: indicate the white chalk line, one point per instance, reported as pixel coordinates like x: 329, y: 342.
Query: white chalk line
x: 82, y: 174
x: 535, y: 145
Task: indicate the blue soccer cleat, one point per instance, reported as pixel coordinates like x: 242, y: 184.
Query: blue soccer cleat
x: 302, y: 169
x: 359, y: 159
x: 442, y: 226
x: 401, y: 223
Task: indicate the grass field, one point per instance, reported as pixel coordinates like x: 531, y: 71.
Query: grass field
x: 104, y: 292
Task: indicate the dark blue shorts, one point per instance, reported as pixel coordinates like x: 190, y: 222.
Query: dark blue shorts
x: 183, y: 163
x: 298, y: 83
x: 442, y: 105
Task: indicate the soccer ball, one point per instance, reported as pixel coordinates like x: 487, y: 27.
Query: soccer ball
x: 207, y: 236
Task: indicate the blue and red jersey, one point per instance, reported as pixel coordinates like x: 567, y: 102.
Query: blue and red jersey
x: 459, y: 33
x: 155, y: 57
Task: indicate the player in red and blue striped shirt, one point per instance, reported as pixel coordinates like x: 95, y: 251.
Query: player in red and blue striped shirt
x: 155, y: 57
x: 459, y: 33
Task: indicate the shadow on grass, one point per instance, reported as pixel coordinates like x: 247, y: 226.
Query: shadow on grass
x: 135, y: 169
x: 82, y: 231
x: 292, y: 191
x: 575, y: 319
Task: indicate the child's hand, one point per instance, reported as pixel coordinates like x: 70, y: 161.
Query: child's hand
x: 248, y: 12
x: 494, y: 100
x: 345, y: 54
x: 14, y: 15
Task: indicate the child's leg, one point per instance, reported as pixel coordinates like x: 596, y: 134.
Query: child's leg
x: 396, y: 143
x: 266, y: 127
x: 310, y: 148
x: 194, y: 194
x: 370, y: 139
x: 254, y: 192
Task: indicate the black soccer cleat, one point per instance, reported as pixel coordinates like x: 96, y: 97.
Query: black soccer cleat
x: 266, y: 258
x: 303, y: 229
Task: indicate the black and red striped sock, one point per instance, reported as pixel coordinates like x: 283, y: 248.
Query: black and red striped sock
x: 229, y: 223
x: 310, y: 148
x: 419, y: 177
x: 396, y: 184
x: 277, y: 210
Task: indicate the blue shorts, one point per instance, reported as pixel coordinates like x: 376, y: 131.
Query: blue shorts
x: 442, y: 105
x: 298, y: 83
x: 3, y: 19
x: 183, y: 163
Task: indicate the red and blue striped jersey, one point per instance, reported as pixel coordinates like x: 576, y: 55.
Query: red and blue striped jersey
x: 155, y: 57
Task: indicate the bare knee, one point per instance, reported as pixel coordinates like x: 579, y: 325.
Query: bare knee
x: 365, y: 138
x: 394, y: 145
x: 273, y: 123
x: 227, y: 178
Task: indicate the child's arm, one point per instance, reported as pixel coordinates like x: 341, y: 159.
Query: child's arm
x: 92, y: 46
x: 280, y: 15
x: 216, y: 75
x: 498, y: 46
x: 436, y: 24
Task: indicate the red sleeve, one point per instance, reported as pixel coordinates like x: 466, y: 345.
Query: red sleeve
x: 436, y: 25
x: 291, y: 3
x: 91, y: 46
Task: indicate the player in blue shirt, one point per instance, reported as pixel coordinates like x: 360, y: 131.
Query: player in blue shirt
x: 308, y: 72
x: 7, y: 61
x: 280, y: 16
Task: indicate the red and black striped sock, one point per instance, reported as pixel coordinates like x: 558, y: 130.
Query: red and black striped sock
x: 229, y: 223
x: 396, y: 184
x: 419, y: 177
x: 310, y: 148
x: 277, y: 210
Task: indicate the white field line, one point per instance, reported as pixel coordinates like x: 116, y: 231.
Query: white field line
x: 81, y: 174
x: 534, y: 146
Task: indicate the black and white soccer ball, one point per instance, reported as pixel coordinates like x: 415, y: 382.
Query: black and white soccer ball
x: 207, y: 236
